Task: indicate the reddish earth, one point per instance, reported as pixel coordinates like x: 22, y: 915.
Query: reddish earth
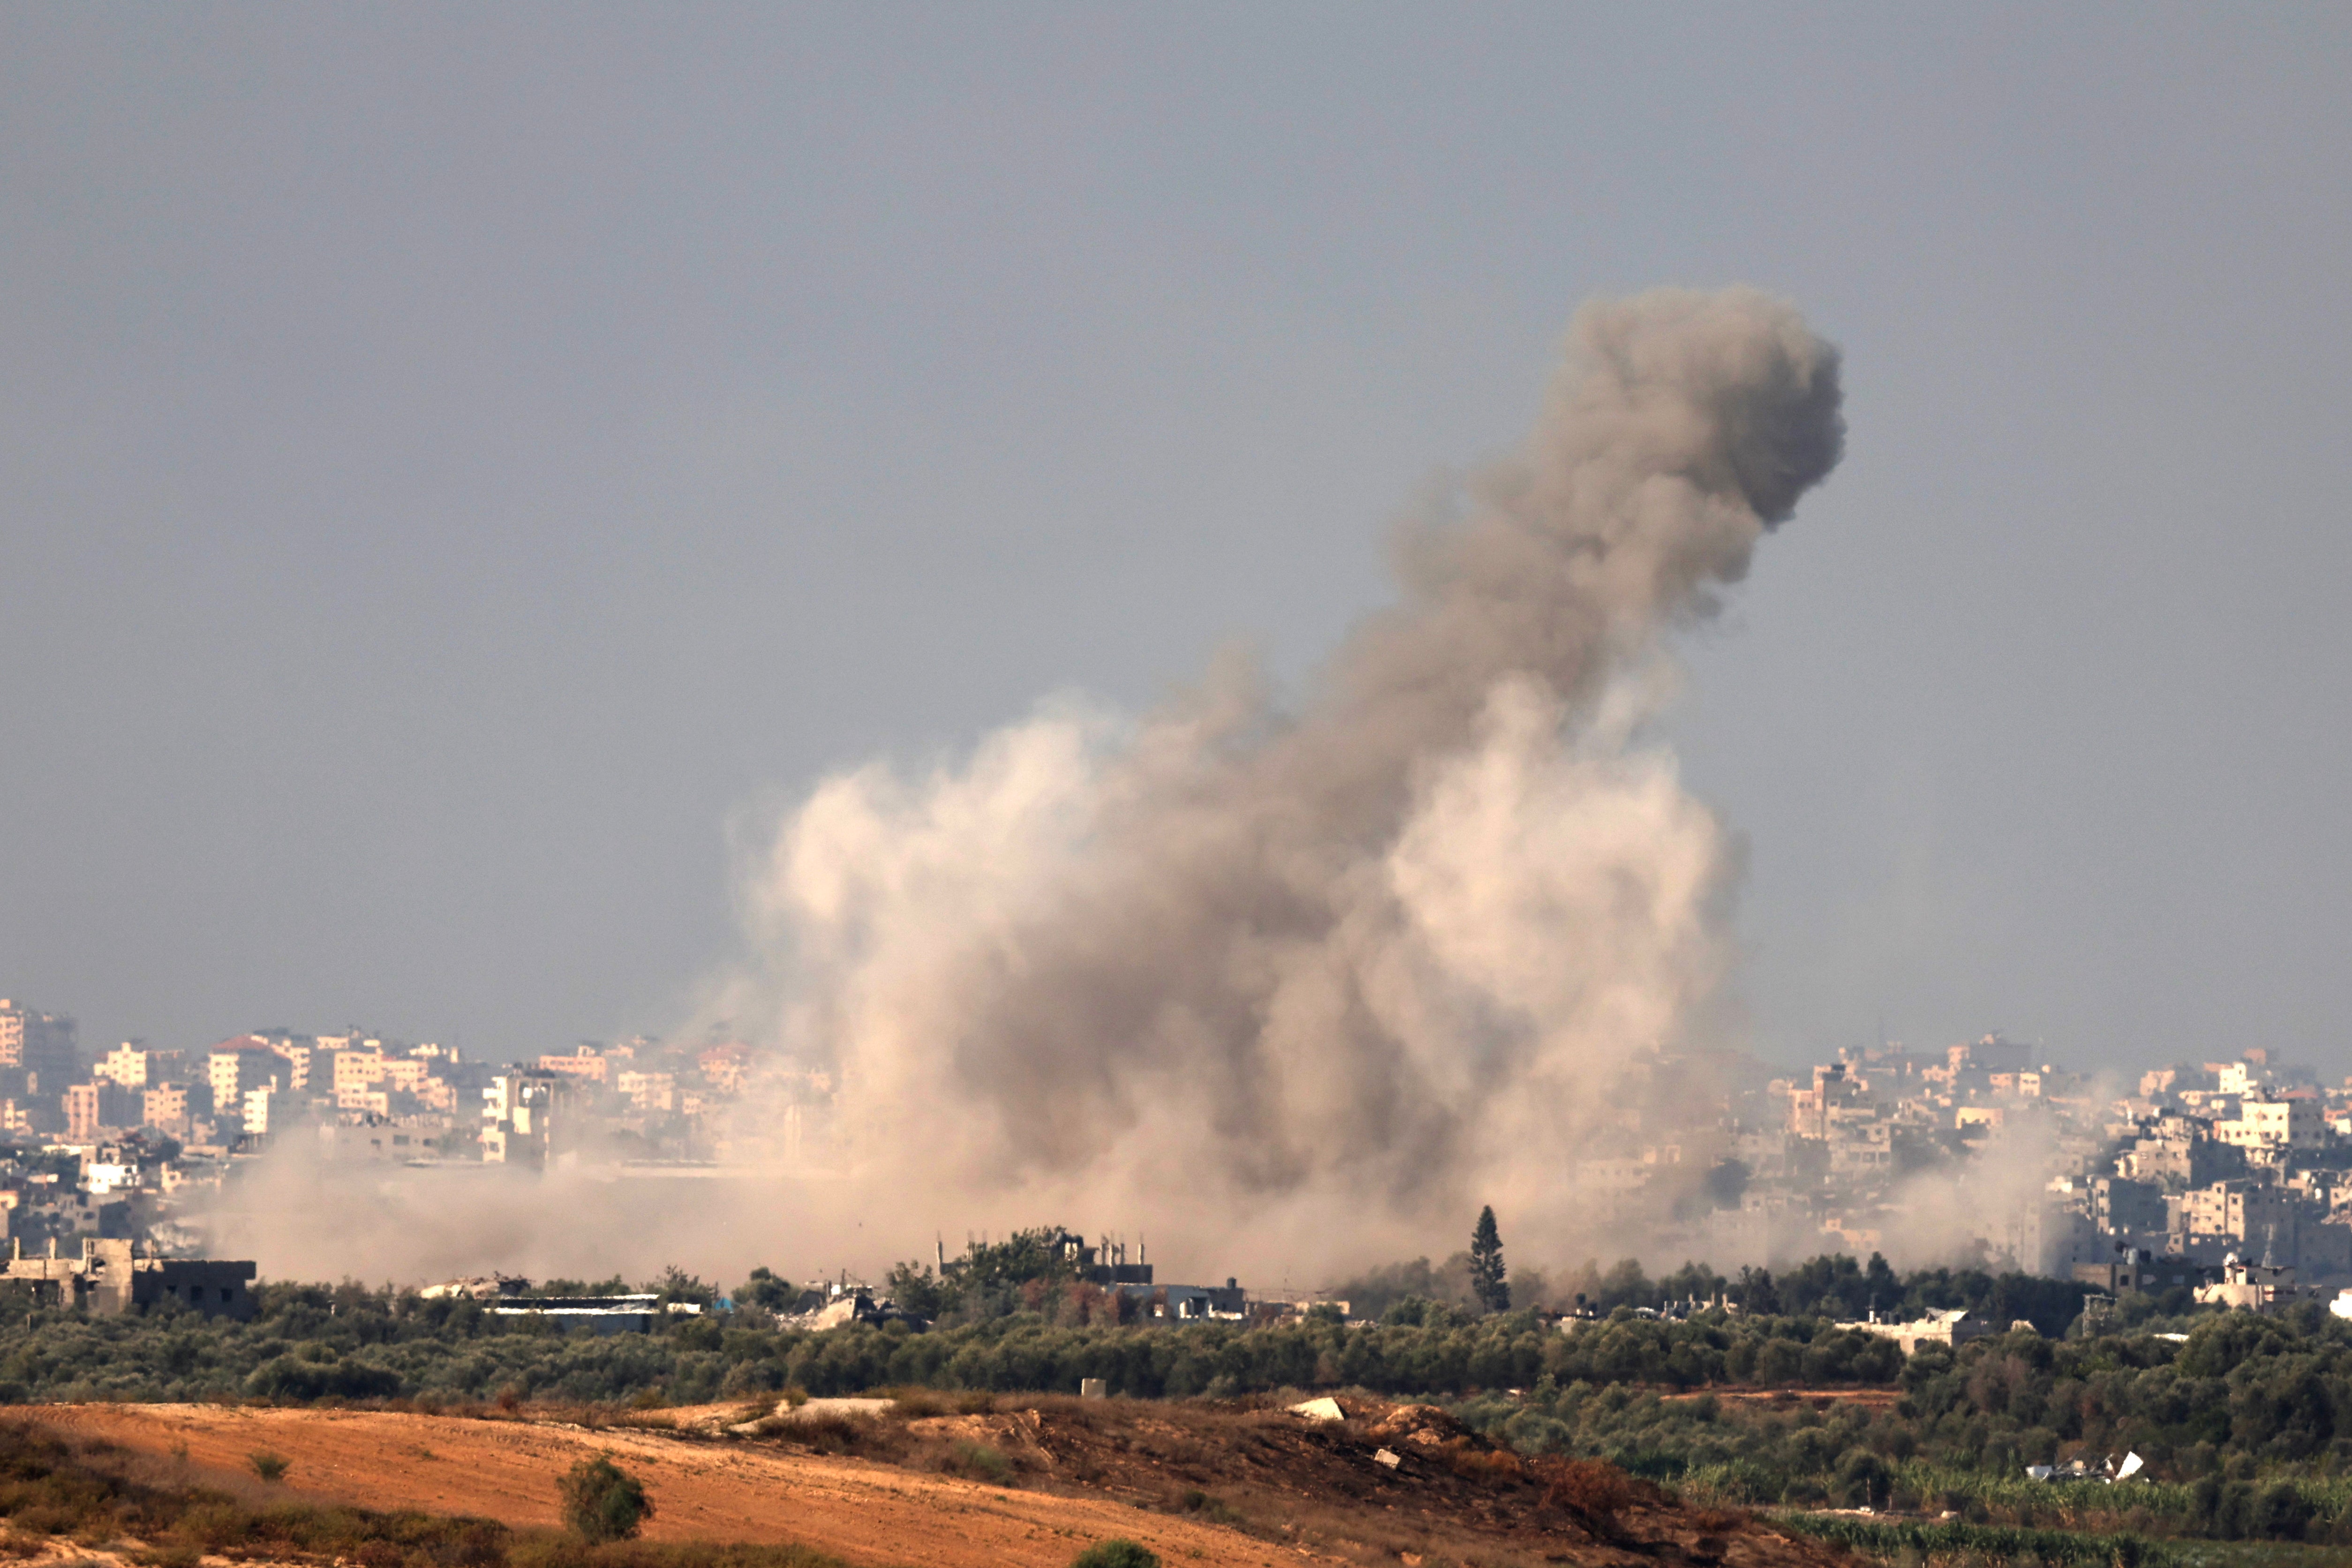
x: 1039, y: 1481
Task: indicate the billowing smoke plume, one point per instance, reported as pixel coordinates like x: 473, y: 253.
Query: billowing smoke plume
x: 1364, y: 958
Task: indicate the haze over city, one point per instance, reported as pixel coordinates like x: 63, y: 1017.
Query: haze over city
x: 453, y: 499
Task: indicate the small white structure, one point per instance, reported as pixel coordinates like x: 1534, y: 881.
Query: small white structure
x: 2083, y: 1470
x: 1954, y: 1328
x: 2249, y: 1286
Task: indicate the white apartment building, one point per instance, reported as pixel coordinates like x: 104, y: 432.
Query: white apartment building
x: 2241, y: 1078
x: 235, y: 1066
x: 126, y: 1064
x: 2276, y: 1124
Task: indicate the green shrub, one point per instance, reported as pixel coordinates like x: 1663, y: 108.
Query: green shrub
x: 1116, y: 1553
x: 604, y: 1502
x: 1863, y: 1480
x: 980, y: 1462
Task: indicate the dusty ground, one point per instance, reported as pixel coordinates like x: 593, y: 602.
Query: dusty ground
x: 1194, y: 1482
x: 506, y: 1470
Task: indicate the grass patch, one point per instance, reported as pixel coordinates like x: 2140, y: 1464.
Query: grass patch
x: 1955, y: 1542
x: 979, y: 1462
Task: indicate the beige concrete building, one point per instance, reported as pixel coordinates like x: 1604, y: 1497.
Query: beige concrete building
x: 234, y: 1066
x: 126, y: 1064
x: 586, y: 1065
x: 111, y: 1277
x: 2276, y: 1124
x: 165, y: 1107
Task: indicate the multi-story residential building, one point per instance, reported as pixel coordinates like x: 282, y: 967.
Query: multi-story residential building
x: 648, y: 1091
x: 2178, y: 1153
x: 1986, y: 1057
x: 406, y: 1075
x: 256, y: 1110
x: 297, y: 1053
x: 41, y: 1045
x: 81, y: 1109
x: 584, y: 1064
x: 2241, y: 1078
x: 356, y: 1070
x: 99, y: 1104
x: 2297, y: 1122
x: 1811, y: 1111
x: 2242, y: 1214
x: 2120, y: 1206
x: 371, y: 1101
x: 518, y: 1116
x: 165, y: 1107
x: 126, y: 1064
x: 236, y: 1065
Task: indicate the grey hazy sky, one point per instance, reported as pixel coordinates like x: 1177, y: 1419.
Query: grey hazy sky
x: 454, y: 461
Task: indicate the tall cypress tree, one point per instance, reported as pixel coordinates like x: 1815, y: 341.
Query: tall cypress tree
x: 1486, y: 1282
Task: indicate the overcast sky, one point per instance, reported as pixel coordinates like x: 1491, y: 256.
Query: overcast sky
x: 459, y: 466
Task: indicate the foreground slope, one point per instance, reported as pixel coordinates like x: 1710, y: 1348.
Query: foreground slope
x: 1195, y: 1483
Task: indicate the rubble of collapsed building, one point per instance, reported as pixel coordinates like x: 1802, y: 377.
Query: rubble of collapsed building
x: 841, y: 1303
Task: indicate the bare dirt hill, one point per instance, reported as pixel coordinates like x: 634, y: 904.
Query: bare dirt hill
x: 1029, y: 1484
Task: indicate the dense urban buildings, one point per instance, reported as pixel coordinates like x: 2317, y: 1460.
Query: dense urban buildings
x: 1988, y: 1149
x: 2163, y: 1180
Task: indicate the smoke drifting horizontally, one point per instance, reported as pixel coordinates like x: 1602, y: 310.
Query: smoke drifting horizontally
x: 1352, y: 965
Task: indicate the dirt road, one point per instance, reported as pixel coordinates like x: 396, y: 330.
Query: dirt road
x: 866, y: 1512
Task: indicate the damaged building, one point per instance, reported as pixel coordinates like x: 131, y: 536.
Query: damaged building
x: 111, y: 1277
x: 1188, y: 1304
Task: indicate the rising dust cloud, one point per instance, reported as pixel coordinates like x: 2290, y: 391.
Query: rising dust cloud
x: 1360, y: 965
x: 1288, y: 985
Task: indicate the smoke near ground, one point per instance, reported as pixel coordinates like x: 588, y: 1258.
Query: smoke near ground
x: 1327, y: 974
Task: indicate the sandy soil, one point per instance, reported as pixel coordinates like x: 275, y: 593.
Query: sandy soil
x: 864, y: 1511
